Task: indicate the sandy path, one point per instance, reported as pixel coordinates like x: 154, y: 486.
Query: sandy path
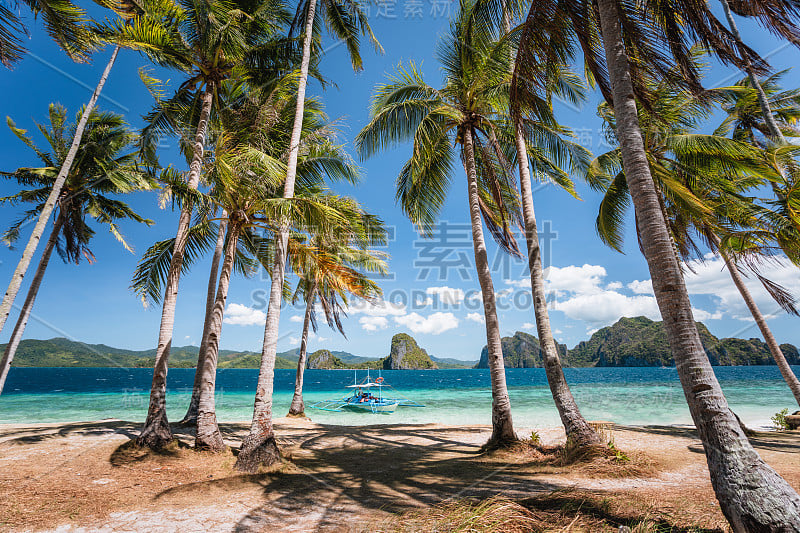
x: 80, y: 477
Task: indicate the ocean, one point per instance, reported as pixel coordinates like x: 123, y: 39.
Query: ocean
x: 630, y: 396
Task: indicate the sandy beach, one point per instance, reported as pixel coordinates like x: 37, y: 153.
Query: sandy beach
x: 86, y: 477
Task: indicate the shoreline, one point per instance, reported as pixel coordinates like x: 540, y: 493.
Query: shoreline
x: 84, y: 476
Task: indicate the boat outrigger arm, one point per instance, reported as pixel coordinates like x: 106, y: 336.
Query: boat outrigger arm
x: 362, y: 398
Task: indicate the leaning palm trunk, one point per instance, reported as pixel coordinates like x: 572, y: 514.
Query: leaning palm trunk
x: 774, y: 347
x: 259, y: 447
x: 297, y: 408
x: 208, y: 435
x: 763, y: 101
x: 50, y: 203
x: 191, y: 414
x: 156, y: 432
x: 577, y: 429
x: 502, y: 426
x: 25, y: 313
x: 752, y: 495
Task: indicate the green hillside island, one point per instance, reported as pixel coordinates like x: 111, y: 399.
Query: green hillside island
x: 629, y: 342
x: 637, y: 341
x: 60, y: 352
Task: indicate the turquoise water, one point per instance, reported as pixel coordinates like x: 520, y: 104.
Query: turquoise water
x: 636, y: 396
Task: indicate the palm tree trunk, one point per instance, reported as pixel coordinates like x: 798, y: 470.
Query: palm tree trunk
x: 208, y: 435
x: 191, y: 414
x: 774, y: 347
x: 25, y: 313
x: 502, y: 426
x: 260, y: 447
x: 752, y: 495
x: 38, y: 230
x: 297, y: 408
x: 156, y: 432
x: 763, y: 101
x: 577, y: 429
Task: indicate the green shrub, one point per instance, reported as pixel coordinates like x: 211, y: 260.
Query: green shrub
x: 779, y: 420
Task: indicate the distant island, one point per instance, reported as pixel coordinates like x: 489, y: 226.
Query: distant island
x: 629, y: 342
x: 404, y: 353
x: 637, y: 341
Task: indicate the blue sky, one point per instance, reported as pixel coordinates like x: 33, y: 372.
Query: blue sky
x: 591, y: 285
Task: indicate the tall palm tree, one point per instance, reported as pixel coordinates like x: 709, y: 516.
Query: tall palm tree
x: 65, y: 22
x: 346, y: 21
x: 609, y: 32
x: 745, y: 119
x: 341, y: 267
x: 777, y: 15
x: 469, y: 111
x: 209, y: 41
x: 244, y: 181
x: 190, y: 418
x: 703, y: 182
x: 104, y: 165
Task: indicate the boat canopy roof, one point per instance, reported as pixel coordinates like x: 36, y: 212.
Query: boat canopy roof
x: 364, y: 386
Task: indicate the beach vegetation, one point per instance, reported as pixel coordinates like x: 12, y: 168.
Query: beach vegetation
x: 779, y: 420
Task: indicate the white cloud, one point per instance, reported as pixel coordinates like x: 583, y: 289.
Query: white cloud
x: 296, y: 318
x: 712, y: 278
x: 584, y: 279
x: 382, y: 308
x: 504, y: 293
x: 530, y: 326
x: 373, y: 323
x: 606, y: 307
x: 241, y: 315
x: 447, y: 295
x: 433, y: 324
x: 476, y: 317
x: 641, y: 287
x: 524, y: 283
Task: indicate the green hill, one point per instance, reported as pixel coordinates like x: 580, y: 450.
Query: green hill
x: 520, y: 351
x: 640, y: 341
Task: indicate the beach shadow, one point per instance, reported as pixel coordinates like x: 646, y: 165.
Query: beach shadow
x: 780, y: 441
x: 336, y: 473
x: 42, y: 433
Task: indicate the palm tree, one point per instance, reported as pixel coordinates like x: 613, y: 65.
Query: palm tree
x: 746, y: 121
x: 190, y: 418
x: 102, y: 167
x: 468, y: 111
x: 65, y: 22
x: 779, y: 19
x: 751, y: 494
x: 703, y: 181
x: 244, y: 181
x: 342, y: 266
x: 209, y: 41
x: 346, y: 21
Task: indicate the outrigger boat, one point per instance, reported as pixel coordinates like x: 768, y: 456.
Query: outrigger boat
x: 362, y: 397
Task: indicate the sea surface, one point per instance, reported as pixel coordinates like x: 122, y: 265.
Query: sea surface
x: 633, y: 396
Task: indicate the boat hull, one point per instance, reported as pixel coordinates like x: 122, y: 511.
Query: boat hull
x: 372, y: 407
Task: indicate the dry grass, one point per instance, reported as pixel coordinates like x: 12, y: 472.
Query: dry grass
x: 560, y: 511
x: 591, y: 461
x: 494, y: 515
